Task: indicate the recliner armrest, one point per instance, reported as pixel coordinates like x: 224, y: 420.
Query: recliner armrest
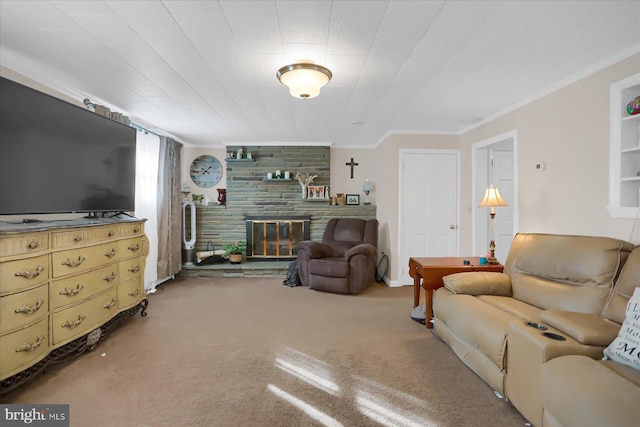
x: 366, y: 249
x: 587, y: 329
x: 478, y: 283
x: 315, y: 249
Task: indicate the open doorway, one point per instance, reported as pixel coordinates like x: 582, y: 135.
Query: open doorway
x: 494, y: 162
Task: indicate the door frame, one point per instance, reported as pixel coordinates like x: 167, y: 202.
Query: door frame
x: 478, y: 169
x: 403, y: 264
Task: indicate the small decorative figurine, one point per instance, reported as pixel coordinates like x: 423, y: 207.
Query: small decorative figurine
x: 634, y: 106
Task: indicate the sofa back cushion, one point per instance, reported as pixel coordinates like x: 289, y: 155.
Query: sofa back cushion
x: 627, y: 282
x: 561, y: 272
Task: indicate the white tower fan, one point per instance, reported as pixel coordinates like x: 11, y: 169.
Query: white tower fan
x: 188, y: 246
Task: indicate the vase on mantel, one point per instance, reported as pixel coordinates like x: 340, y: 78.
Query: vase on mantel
x: 222, y: 196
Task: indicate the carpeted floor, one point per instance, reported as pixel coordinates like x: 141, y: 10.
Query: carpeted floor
x: 238, y: 352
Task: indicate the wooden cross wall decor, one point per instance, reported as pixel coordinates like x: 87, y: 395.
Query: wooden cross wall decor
x: 351, y: 164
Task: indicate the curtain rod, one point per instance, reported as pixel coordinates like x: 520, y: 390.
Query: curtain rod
x: 143, y: 129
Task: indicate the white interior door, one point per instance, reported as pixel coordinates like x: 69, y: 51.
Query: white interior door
x: 501, y: 175
x: 494, y: 162
x: 428, y: 206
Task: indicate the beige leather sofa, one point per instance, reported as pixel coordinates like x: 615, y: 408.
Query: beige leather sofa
x: 523, y: 330
x: 567, y: 382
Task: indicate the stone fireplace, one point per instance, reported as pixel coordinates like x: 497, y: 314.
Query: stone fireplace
x: 275, y: 237
x: 249, y: 195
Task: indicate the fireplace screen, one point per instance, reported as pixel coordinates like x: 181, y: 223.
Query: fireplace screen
x: 275, y: 237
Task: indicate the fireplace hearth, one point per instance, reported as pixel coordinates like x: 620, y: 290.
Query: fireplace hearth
x: 275, y: 237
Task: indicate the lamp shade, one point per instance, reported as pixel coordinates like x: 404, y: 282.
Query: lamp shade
x: 304, y: 79
x: 367, y: 186
x: 492, y: 198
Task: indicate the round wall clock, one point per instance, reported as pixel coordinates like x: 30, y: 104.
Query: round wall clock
x: 206, y: 171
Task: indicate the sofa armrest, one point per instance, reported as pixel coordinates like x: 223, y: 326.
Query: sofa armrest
x: 587, y: 329
x: 365, y: 249
x: 478, y: 283
x: 315, y: 249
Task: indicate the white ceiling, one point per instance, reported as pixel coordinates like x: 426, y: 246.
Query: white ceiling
x: 204, y: 71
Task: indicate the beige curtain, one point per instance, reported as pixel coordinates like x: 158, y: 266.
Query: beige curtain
x: 169, y: 208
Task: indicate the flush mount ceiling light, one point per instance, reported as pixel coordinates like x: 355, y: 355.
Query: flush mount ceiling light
x: 304, y: 78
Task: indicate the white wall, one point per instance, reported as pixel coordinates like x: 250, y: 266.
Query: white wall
x: 569, y: 131
x: 189, y: 154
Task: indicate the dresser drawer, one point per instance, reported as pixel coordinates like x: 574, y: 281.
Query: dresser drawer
x: 129, y: 248
x: 129, y: 269
x: 24, y: 244
x: 130, y: 293
x: 133, y: 229
x: 24, y: 308
x: 84, y: 236
x: 76, y: 288
x: 23, y: 274
x: 23, y: 348
x: 80, y: 319
x: 80, y: 260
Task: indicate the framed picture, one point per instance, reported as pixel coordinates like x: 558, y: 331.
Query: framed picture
x: 353, y: 199
x: 316, y: 192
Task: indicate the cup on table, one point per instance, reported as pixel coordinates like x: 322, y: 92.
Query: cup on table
x: 483, y: 260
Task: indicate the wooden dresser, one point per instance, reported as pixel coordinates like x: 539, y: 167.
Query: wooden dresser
x: 64, y: 285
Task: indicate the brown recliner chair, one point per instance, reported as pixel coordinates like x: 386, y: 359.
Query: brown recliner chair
x: 345, y: 261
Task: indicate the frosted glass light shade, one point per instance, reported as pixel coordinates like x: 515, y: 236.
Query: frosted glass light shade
x: 304, y: 79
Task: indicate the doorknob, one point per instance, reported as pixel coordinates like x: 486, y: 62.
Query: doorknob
x: 453, y: 227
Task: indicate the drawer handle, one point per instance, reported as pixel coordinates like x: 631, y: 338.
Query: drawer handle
x: 110, y: 278
x: 70, y: 324
x: 73, y: 263
x: 134, y: 269
x: 137, y: 229
x: 134, y: 248
x: 33, y: 346
x: 33, y: 245
x: 78, y: 238
x: 30, y: 274
x: 110, y: 304
x: 30, y: 310
x: 71, y: 292
x: 134, y: 293
x: 111, y: 253
x: 111, y: 233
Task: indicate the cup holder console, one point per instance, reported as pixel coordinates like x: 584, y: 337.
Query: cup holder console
x: 554, y: 336
x: 538, y: 326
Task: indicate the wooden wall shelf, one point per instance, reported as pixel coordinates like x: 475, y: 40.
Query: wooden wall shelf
x: 239, y: 160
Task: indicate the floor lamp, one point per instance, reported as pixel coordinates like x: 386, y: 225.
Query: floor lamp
x: 492, y: 199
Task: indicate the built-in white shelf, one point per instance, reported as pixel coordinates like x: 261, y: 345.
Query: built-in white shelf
x: 624, y: 150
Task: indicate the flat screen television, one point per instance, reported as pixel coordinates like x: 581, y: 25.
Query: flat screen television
x: 56, y: 157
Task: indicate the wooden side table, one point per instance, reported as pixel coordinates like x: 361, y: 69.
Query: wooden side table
x: 431, y: 271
